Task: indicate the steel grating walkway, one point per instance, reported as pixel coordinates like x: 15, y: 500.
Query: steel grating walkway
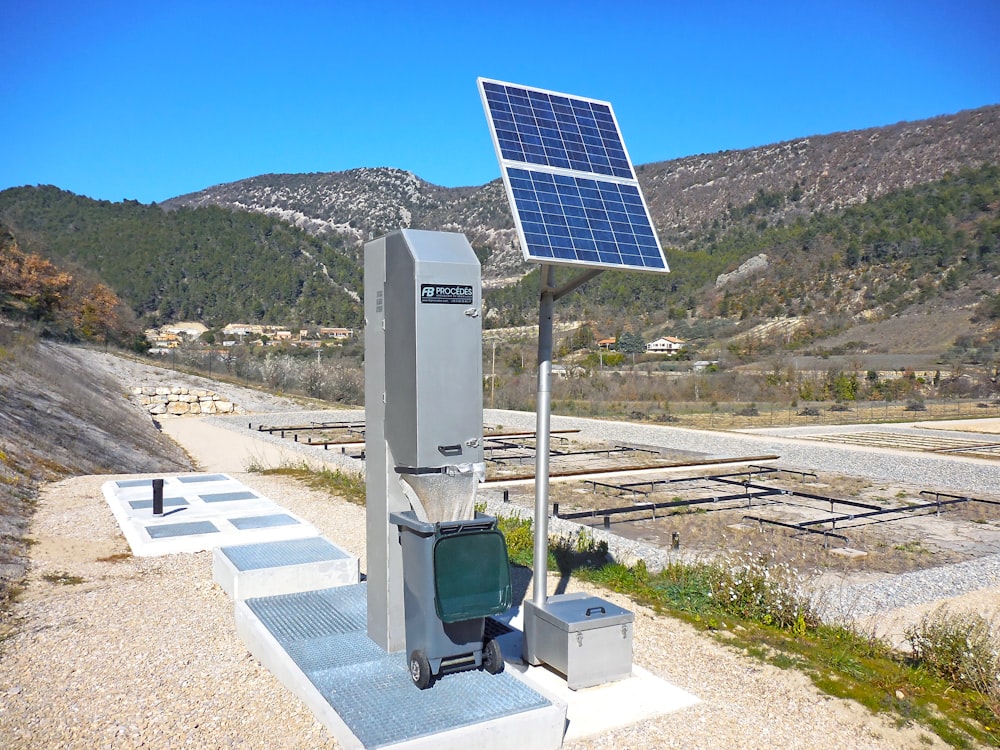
x: 324, y: 634
x: 277, y: 554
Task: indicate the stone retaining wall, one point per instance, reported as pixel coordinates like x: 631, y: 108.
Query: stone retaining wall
x: 181, y: 401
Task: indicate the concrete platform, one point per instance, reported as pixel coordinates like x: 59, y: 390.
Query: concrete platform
x: 315, y: 643
x: 595, y: 710
x: 201, y: 512
x: 289, y: 566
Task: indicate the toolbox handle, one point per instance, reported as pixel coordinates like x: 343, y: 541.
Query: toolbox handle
x: 600, y: 609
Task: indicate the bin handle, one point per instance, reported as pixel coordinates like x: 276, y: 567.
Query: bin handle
x: 451, y: 450
x: 600, y: 609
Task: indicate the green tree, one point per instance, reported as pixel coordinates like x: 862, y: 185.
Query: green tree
x: 631, y: 343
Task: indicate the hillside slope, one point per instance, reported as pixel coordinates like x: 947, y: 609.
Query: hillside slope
x: 54, y: 423
x: 688, y: 197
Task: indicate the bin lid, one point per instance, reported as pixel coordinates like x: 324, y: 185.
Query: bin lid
x: 471, y: 575
x: 579, y: 611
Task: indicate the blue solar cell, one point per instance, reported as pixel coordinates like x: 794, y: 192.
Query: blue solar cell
x: 587, y: 220
x: 573, y: 192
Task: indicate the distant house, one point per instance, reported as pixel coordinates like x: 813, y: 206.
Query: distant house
x: 187, y: 330
x: 665, y: 345
x: 607, y: 343
x: 336, y: 333
x: 162, y: 340
x: 241, y: 329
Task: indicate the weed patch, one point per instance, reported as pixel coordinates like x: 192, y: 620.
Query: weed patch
x: 348, y: 485
x: 962, y: 647
x: 117, y: 557
x: 62, y: 578
x: 756, y: 605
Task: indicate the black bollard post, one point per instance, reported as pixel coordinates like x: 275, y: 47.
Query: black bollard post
x: 157, y: 497
x: 675, y: 540
x: 506, y: 496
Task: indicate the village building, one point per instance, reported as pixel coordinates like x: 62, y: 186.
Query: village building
x: 665, y: 345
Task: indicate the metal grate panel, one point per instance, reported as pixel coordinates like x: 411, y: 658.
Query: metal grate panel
x: 181, y: 529
x: 278, y: 554
x: 227, y: 497
x: 196, y: 478
x: 292, y: 617
x: 365, y: 693
x: 168, y: 502
x: 332, y: 651
x: 371, y: 691
x: 263, y: 522
x: 134, y: 483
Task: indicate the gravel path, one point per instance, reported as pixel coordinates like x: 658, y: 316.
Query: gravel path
x: 143, y: 653
x: 109, y: 650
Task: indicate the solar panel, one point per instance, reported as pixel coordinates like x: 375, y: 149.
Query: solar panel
x: 569, y: 181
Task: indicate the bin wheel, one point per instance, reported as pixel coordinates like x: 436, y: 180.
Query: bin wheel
x: 420, y: 669
x: 492, y: 657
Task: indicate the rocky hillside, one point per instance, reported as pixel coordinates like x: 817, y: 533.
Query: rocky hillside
x: 368, y: 202
x: 55, y: 423
x: 689, y: 198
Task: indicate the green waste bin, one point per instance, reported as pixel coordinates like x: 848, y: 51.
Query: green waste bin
x: 455, y: 575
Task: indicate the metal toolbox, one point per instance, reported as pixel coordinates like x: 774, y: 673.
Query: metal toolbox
x: 586, y: 638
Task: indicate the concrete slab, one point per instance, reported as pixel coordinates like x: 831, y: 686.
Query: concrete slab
x: 288, y: 566
x: 315, y: 643
x: 595, y: 710
x: 201, y: 512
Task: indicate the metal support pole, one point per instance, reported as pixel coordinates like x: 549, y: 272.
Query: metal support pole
x: 542, y: 422
x: 157, y: 497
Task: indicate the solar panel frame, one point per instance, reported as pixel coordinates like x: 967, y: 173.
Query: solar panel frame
x: 569, y: 180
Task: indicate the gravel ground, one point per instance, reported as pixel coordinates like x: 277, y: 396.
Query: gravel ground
x: 143, y: 653
x: 109, y: 650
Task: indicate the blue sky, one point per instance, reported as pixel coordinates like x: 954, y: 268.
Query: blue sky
x: 146, y: 101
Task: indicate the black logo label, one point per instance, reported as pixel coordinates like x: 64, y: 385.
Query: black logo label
x: 446, y: 294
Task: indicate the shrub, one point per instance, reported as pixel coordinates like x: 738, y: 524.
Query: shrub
x: 520, y: 539
x: 961, y: 647
x: 756, y: 588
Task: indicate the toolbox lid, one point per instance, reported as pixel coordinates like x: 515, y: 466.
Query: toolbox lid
x: 579, y: 611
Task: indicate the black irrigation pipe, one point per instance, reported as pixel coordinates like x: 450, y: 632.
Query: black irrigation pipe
x: 607, y: 512
x: 312, y: 426
x: 530, y: 434
x: 618, y: 449
x: 512, y: 444
x: 939, y: 495
x: 795, y: 527
x: 905, y: 509
x: 653, y: 484
x: 936, y: 506
x: 633, y: 487
x: 602, y: 451
x: 800, y: 474
x: 812, y: 496
x: 505, y: 459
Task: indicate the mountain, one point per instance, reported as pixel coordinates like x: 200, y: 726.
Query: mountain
x: 362, y: 203
x: 690, y: 198
x: 209, y: 264
x: 829, y: 230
